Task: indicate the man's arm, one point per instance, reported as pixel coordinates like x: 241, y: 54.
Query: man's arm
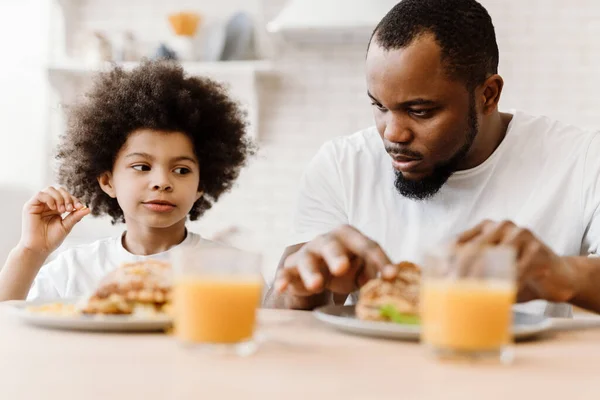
x: 587, y: 272
x: 273, y: 299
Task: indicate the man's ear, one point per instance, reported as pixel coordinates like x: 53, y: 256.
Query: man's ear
x: 492, y: 89
x: 106, y: 184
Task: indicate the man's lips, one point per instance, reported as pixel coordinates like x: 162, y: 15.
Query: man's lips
x: 404, y: 163
x: 159, y: 205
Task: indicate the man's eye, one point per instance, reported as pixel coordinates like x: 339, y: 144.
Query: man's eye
x: 420, y: 113
x: 379, y: 106
x: 141, y: 167
x: 182, y: 171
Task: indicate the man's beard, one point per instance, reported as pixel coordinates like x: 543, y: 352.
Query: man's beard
x: 427, y: 187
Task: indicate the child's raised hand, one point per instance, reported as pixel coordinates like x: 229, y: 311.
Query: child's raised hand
x: 43, y: 227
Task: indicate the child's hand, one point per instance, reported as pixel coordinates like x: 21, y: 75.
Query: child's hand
x: 43, y: 227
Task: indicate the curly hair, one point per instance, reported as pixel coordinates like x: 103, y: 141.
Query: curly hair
x: 156, y: 95
x: 462, y: 28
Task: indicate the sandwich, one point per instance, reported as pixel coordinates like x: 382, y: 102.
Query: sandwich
x: 392, y: 301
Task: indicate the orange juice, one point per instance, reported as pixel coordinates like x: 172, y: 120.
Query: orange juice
x: 467, y: 315
x: 215, y: 309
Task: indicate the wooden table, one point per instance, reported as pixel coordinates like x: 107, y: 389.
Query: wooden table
x: 301, y: 359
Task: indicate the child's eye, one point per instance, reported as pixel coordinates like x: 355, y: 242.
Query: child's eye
x: 141, y: 167
x: 182, y: 171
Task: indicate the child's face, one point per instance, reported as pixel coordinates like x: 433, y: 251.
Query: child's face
x: 155, y: 178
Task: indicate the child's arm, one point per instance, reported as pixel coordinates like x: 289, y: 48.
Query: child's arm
x: 43, y: 231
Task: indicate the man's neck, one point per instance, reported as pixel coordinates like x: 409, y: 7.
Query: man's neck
x: 147, y: 241
x: 491, y: 133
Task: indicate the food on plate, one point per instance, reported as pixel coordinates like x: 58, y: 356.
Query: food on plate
x: 141, y: 288
x: 62, y: 309
x: 396, y: 301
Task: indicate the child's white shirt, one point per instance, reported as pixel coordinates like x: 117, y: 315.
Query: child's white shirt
x: 77, y: 271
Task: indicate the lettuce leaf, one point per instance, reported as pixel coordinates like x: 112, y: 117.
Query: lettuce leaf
x: 390, y: 312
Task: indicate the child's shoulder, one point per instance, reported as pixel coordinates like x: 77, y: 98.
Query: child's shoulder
x: 79, y: 249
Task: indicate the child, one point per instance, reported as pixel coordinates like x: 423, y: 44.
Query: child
x: 149, y: 148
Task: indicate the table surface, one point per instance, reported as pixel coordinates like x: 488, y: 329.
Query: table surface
x: 300, y: 359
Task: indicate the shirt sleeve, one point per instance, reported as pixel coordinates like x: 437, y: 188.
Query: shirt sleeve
x: 320, y: 205
x: 591, y: 198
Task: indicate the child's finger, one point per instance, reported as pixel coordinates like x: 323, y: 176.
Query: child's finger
x: 43, y: 200
x: 58, y: 198
x: 73, y: 218
x: 70, y: 201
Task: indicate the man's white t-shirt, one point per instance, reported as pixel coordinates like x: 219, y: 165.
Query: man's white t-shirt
x: 544, y: 176
x: 77, y: 271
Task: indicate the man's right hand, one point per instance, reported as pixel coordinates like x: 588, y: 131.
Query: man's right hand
x: 339, y: 262
x: 43, y: 227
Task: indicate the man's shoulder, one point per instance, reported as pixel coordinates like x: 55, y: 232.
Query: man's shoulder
x: 552, y: 134
x: 365, y: 141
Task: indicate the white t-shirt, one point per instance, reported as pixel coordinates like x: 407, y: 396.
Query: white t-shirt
x: 77, y: 271
x: 544, y: 176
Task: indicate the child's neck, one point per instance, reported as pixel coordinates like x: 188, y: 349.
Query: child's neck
x: 144, y: 241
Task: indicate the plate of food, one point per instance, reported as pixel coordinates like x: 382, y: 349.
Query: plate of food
x: 135, y: 297
x: 390, y: 310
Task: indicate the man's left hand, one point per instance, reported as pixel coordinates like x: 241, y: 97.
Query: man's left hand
x: 541, y: 273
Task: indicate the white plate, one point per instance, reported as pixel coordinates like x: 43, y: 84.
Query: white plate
x: 525, y: 326
x: 98, y: 323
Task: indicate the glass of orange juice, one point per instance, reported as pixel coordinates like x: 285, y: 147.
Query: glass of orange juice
x: 467, y: 294
x: 216, y: 293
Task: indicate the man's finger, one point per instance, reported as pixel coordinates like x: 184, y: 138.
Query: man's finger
x: 333, y: 253
x: 362, y: 246
x: 517, y: 238
x: 289, y: 280
x: 525, y: 265
x: 470, y: 234
x: 494, y: 233
x: 313, y: 272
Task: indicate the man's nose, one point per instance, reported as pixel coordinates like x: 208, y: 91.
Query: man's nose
x: 397, y: 130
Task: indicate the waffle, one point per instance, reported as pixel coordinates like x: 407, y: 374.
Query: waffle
x: 132, y: 287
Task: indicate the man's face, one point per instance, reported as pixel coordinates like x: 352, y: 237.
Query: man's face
x: 427, y: 121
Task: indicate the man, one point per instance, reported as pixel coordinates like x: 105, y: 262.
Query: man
x: 442, y: 159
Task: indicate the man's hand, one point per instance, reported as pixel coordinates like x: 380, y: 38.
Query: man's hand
x: 541, y: 273
x: 340, y: 262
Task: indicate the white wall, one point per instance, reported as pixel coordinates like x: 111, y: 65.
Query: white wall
x: 549, y: 58
x: 22, y: 110
x: 23, y: 26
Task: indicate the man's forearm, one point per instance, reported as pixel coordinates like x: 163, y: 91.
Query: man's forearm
x: 287, y: 301
x: 587, y: 294
x: 18, y: 273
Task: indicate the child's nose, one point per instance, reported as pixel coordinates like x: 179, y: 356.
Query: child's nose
x: 160, y: 181
x: 163, y: 187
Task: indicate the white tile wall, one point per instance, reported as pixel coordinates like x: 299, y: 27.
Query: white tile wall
x: 549, y: 58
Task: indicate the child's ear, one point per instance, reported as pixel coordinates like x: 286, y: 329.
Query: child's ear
x: 199, y: 194
x: 105, y: 181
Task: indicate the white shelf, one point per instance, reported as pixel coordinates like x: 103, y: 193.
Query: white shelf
x: 194, y: 68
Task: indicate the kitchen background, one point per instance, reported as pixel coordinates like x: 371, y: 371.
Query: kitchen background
x: 303, y: 84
